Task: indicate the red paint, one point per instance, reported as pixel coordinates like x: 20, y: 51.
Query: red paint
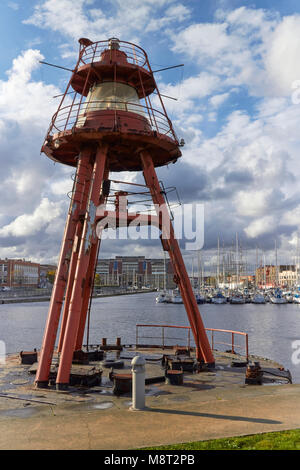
x: 99, y: 136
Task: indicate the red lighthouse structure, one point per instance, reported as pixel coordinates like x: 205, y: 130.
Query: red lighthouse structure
x: 109, y: 125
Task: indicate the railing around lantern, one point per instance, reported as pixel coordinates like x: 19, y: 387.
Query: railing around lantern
x: 135, y: 54
x: 165, y: 340
x: 73, y: 116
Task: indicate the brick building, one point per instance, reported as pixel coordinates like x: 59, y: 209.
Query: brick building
x: 272, y: 276
x: 19, y: 273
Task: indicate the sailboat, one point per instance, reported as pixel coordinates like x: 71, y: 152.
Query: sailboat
x: 199, y: 297
x: 296, y: 296
x: 237, y: 298
x: 164, y: 296
x: 219, y: 298
x: 176, y: 297
x: 277, y: 297
x: 258, y: 298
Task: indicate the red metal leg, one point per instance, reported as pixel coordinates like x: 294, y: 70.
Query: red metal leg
x: 46, y: 353
x: 88, y: 239
x: 203, y: 349
x: 88, y: 287
x: 74, y: 257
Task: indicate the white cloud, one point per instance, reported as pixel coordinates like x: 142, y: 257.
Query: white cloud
x: 22, y: 99
x: 13, y: 5
x: 29, y: 224
x: 248, y: 47
x: 282, y: 57
x: 245, y: 168
x: 253, y: 203
x: 177, y: 13
x: 189, y: 93
x: 218, y: 100
x: 117, y: 18
x: 62, y: 187
x: 27, y: 203
x: 261, y: 226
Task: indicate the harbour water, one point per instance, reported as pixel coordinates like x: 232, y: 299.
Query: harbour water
x: 273, y: 329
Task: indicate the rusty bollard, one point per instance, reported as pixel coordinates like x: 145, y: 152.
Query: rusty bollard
x: 254, y: 374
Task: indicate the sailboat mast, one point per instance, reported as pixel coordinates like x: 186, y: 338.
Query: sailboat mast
x: 193, y: 273
x: 276, y: 265
x: 165, y: 273
x: 223, y: 266
x: 218, y: 264
x: 237, y: 260
x: 297, y: 261
x: 265, y: 280
x: 199, y: 273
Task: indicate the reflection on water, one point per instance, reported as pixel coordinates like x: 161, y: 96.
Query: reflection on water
x: 272, y: 328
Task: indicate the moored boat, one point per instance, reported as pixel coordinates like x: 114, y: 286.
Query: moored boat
x: 278, y: 298
x: 176, y: 298
x: 219, y: 298
x: 200, y: 299
x: 296, y: 298
x: 258, y: 298
x: 163, y: 297
x: 237, y: 298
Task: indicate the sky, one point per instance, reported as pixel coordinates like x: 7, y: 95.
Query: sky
x: 237, y: 108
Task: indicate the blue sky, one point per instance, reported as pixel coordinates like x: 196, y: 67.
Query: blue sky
x: 237, y: 109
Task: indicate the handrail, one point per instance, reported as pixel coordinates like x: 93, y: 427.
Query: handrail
x: 232, y: 344
x: 135, y: 54
x: 67, y: 117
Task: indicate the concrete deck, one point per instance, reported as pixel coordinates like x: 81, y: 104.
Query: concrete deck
x: 209, y: 405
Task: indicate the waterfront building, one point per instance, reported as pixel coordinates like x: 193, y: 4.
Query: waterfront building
x: 288, y: 276
x: 271, y: 276
x: 19, y: 273
x: 266, y: 276
x: 135, y: 272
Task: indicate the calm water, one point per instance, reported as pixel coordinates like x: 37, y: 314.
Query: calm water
x: 271, y: 328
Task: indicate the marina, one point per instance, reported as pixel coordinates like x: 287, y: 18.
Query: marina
x: 272, y: 329
x: 203, y: 405
x: 197, y: 339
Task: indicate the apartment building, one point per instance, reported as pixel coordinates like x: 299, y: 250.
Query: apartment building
x: 19, y: 273
x: 135, y: 271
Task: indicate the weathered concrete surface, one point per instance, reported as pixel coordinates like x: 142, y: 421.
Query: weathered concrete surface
x: 209, y: 405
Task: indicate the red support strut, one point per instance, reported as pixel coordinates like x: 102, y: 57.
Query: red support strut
x: 203, y: 349
x: 89, y: 239
x: 57, y: 297
x: 110, y: 135
x: 74, y: 257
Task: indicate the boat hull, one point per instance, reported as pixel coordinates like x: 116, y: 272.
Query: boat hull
x: 176, y: 301
x: 278, y: 301
x: 237, y: 301
x: 218, y: 301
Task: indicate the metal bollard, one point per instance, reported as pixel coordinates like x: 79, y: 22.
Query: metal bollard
x: 138, y: 383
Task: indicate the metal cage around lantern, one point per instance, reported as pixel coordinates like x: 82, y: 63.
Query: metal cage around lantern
x: 112, y: 83
x: 108, y: 125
